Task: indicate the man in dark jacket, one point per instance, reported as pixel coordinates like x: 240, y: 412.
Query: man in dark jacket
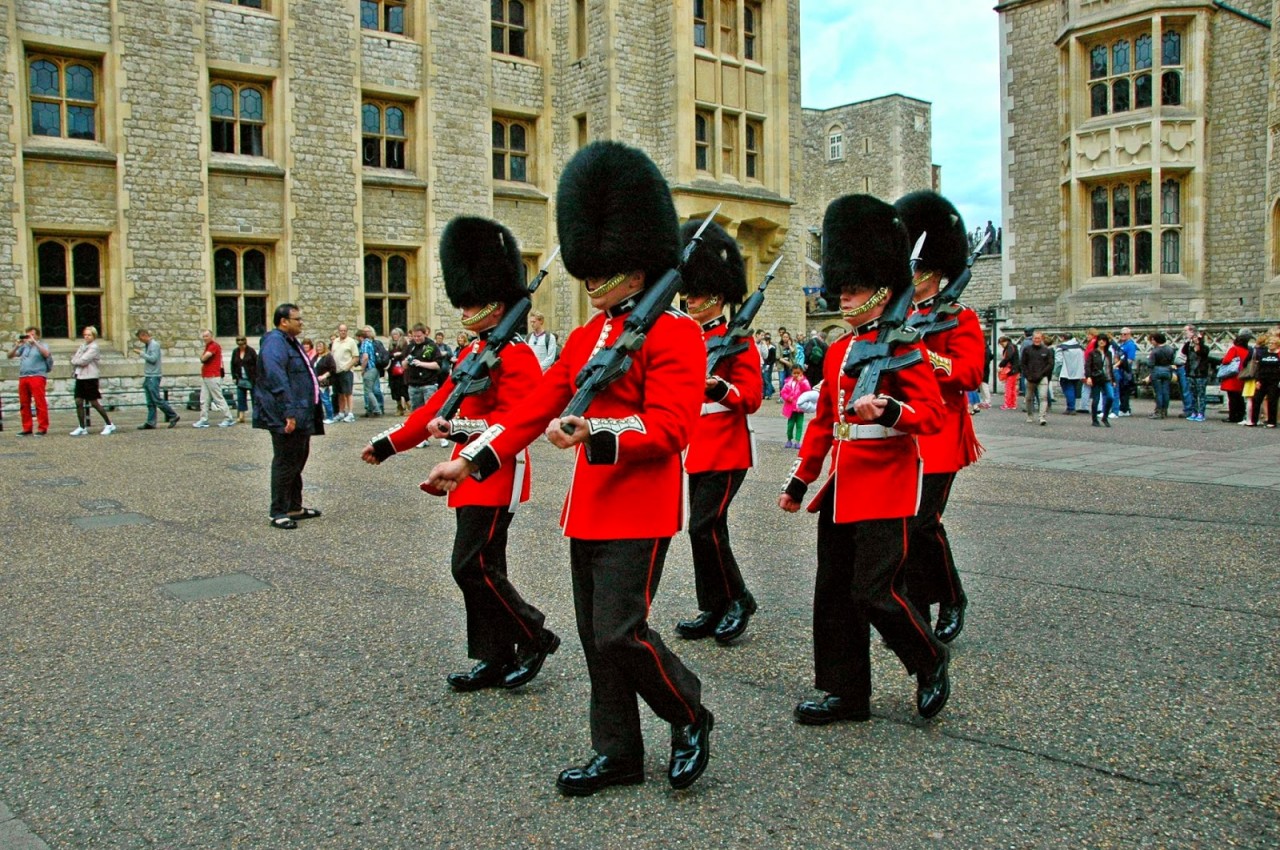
x: 1037, y: 368
x: 287, y: 403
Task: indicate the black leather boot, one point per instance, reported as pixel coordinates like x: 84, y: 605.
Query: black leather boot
x: 600, y: 772
x: 933, y: 688
x: 690, y: 750
x: 832, y: 709
x: 703, y: 625
x: 528, y: 665
x: 735, y: 619
x: 486, y: 674
x: 950, y: 622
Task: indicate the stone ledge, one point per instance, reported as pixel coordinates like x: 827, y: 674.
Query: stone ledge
x: 719, y: 190
x: 67, y: 153
x: 247, y: 166
x: 518, y: 192
x: 391, y: 180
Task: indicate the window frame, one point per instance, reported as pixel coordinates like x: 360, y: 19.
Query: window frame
x: 384, y: 296
x: 1102, y: 86
x: 61, y: 99
x: 507, y: 28
x: 835, y: 144
x: 703, y: 145
x: 1156, y: 229
x: 237, y: 122
x: 529, y: 126
x: 752, y: 18
x: 753, y: 151
x: 241, y: 294
x: 384, y: 138
x: 69, y: 291
x: 262, y: 5
x: 383, y: 9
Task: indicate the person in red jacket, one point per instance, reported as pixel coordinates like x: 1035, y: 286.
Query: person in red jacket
x: 958, y: 356
x: 618, y: 233
x: 483, y: 271
x: 1233, y: 384
x: 722, y: 448
x: 867, y: 503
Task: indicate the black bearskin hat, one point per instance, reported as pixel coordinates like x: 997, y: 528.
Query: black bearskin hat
x: 614, y: 214
x: 716, y: 267
x: 864, y: 246
x: 946, y: 248
x: 481, y: 263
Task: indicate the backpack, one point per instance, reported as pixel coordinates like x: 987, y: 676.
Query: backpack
x: 381, y: 357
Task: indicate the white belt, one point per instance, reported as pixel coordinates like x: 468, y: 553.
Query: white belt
x: 850, y: 431
x: 714, y: 407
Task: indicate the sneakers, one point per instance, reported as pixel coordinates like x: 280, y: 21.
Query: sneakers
x: 1043, y: 421
x: 444, y: 443
x: 173, y: 423
x: 225, y: 423
x: 350, y: 417
x: 200, y: 423
x: 109, y: 430
x: 80, y: 432
x: 329, y: 421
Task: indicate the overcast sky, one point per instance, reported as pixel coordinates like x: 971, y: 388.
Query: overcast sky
x: 942, y: 51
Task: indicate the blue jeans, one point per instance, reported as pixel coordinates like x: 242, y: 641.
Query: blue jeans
x: 1070, y: 391
x: 1196, y: 387
x: 326, y: 401
x: 1188, y: 392
x: 372, y: 391
x: 243, y: 397
x: 1160, y: 378
x: 418, y: 395
x: 151, y: 391
x: 767, y: 374
x: 1103, y: 395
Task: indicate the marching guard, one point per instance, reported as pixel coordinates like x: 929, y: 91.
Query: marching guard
x: 958, y: 356
x: 505, y: 634
x: 619, y: 234
x: 722, y: 448
x: 872, y: 491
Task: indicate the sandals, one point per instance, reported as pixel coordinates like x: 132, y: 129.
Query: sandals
x: 306, y: 513
x: 283, y: 522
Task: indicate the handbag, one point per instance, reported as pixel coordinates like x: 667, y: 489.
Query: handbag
x: 397, y: 369
x: 1003, y: 373
x: 244, y: 384
x: 1229, y: 370
x: 1250, y: 370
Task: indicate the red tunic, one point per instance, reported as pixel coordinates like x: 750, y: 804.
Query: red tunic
x: 959, y: 358
x: 722, y: 438
x: 875, y: 478
x: 517, y: 375
x: 627, y: 478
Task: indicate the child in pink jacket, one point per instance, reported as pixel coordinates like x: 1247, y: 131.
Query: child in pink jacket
x: 795, y: 386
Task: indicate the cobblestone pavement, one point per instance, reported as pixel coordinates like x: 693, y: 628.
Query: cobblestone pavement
x: 174, y: 673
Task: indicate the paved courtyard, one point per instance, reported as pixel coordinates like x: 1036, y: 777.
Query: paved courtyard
x: 176, y: 674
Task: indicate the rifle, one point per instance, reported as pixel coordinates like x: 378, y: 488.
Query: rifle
x: 943, y: 315
x: 471, y: 376
x: 610, y: 364
x: 732, y: 342
x: 866, y: 360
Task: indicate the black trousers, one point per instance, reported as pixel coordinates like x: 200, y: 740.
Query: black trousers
x: 289, y: 454
x: 715, y: 570
x: 859, y: 585
x: 614, y: 582
x: 498, y: 618
x: 931, y: 570
x: 1236, y: 407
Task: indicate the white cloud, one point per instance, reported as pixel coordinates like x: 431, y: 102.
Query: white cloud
x: 942, y: 51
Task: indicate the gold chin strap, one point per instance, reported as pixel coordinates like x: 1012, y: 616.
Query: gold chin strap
x: 480, y: 316
x: 866, y: 306
x: 608, y: 286
x: 923, y: 278
x: 713, y: 301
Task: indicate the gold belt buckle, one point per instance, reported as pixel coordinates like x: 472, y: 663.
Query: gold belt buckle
x: 843, y: 430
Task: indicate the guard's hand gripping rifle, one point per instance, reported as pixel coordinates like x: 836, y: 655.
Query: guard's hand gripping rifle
x: 735, y: 338
x: 471, y: 376
x: 947, y: 305
x: 866, y: 360
x: 610, y: 364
